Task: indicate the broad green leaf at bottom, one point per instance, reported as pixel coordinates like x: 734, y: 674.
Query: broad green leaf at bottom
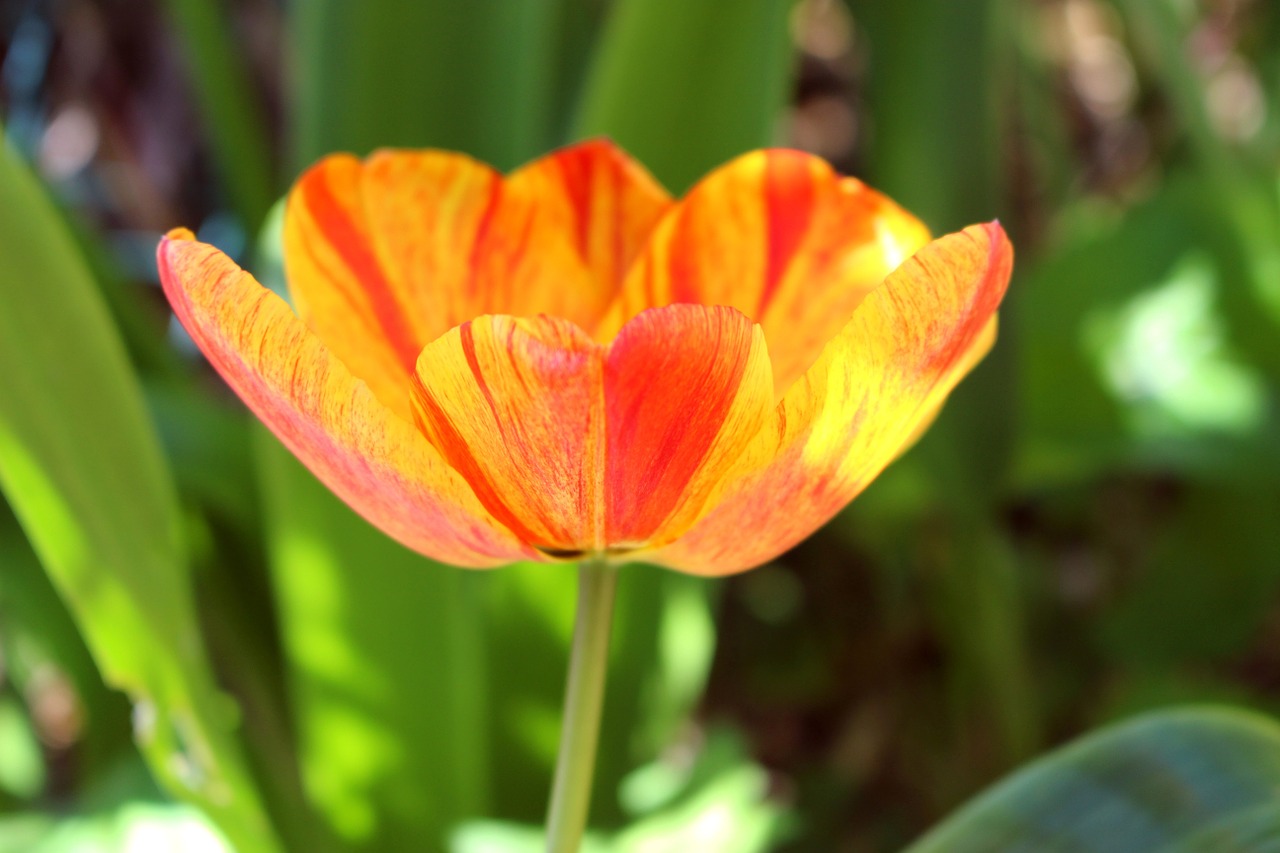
x: 1185, y: 781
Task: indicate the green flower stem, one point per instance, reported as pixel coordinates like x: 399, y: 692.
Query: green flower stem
x: 583, y: 701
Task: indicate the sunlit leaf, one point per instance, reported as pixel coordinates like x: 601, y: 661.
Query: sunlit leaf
x: 80, y: 466
x: 386, y: 667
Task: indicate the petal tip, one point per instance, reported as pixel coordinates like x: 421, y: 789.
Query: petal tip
x: 174, y: 235
x: 997, y: 235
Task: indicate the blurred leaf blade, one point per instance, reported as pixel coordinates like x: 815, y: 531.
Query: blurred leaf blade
x: 1163, y: 782
x: 684, y: 85
x: 386, y: 669
x: 471, y: 75
x: 81, y: 467
x: 233, y: 117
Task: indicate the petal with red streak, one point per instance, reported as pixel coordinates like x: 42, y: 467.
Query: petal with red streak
x: 339, y: 285
x: 782, y: 238
x: 875, y: 384
x: 514, y: 404
x: 687, y: 388
x: 602, y: 199
x: 376, y: 462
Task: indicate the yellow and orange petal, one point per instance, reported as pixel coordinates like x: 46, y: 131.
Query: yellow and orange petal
x: 780, y: 236
x: 882, y: 377
x: 375, y: 461
x: 385, y: 255
x: 578, y: 447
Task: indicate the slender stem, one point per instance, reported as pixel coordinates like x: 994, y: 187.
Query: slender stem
x: 583, y: 701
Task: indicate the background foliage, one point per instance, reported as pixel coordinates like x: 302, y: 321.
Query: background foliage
x: 1089, y: 530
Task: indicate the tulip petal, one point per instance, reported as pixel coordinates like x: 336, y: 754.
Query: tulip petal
x: 514, y: 404
x: 581, y: 448
x: 375, y: 461
x: 384, y: 256
x: 782, y: 238
x: 602, y: 199
x: 687, y: 388
x: 875, y: 384
x: 339, y: 286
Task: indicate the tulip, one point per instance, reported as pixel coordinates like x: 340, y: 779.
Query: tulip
x: 565, y: 364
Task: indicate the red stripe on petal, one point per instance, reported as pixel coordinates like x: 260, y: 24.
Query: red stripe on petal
x: 333, y: 217
x: 789, y: 195
x: 685, y: 388
x: 514, y: 405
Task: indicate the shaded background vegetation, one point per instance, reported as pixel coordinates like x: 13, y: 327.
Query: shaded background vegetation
x: 1090, y: 529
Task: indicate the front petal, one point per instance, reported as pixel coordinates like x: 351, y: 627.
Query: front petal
x: 875, y: 384
x: 514, y: 404
x: 580, y: 448
x: 376, y: 462
x: 782, y: 238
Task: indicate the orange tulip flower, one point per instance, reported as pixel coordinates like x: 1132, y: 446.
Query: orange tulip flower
x: 565, y: 362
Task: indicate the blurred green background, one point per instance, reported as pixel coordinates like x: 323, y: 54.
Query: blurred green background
x: 1091, y: 529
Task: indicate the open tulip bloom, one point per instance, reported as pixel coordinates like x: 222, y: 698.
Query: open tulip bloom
x: 565, y: 364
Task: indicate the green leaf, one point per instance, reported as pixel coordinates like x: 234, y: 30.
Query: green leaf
x: 37, y: 633
x: 479, y: 76
x: 1200, y: 780
x: 935, y: 77
x: 234, y: 119
x: 81, y: 467
x: 687, y: 84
